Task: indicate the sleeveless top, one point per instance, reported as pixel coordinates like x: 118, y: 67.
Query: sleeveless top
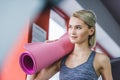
x: 84, y: 71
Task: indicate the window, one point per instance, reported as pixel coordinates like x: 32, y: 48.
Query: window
x: 57, y: 26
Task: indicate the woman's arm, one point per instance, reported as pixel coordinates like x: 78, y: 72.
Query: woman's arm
x: 46, y: 73
x: 105, y: 70
x: 31, y: 77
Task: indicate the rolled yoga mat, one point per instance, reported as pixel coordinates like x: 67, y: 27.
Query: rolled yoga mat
x: 39, y: 55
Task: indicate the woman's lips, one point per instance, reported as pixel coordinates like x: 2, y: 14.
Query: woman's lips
x: 73, y: 37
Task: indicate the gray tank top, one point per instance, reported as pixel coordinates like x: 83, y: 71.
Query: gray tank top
x: 84, y: 71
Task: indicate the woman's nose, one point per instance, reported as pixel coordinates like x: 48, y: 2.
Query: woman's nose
x: 72, y: 31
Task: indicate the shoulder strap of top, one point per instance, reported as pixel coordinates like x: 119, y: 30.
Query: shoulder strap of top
x: 63, y: 60
x: 91, y: 57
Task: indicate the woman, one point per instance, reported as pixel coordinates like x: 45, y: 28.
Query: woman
x: 82, y: 63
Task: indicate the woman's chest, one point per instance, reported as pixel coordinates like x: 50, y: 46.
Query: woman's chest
x: 74, y: 61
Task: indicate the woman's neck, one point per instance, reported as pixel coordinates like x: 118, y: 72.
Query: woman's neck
x: 82, y: 49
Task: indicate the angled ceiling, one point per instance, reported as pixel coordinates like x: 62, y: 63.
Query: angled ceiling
x: 113, y: 7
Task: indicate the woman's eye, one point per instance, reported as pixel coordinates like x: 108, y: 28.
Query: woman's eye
x: 78, y: 27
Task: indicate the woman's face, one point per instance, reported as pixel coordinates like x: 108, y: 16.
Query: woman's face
x: 78, y: 31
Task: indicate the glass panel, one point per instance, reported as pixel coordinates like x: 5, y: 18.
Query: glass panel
x: 57, y: 26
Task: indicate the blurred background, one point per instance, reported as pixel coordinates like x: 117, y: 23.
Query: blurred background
x: 25, y: 21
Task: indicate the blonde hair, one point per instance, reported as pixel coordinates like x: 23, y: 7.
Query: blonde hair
x: 90, y: 19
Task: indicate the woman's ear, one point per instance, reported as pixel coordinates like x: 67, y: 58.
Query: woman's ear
x: 91, y: 31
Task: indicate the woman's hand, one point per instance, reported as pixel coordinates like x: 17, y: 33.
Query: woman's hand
x: 48, y: 41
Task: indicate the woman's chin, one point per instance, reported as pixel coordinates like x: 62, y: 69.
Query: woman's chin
x: 72, y: 41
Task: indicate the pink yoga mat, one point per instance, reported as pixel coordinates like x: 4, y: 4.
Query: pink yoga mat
x: 39, y: 55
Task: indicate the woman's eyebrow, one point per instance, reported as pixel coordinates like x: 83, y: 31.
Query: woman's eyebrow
x: 76, y: 25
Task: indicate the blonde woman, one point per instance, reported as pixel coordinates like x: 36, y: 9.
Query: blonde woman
x: 82, y: 63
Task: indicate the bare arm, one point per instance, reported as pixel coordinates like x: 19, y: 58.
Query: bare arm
x: 46, y: 73
x: 105, y: 70
x: 31, y: 77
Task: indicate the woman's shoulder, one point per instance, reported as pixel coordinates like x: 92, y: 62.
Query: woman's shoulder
x: 102, y: 58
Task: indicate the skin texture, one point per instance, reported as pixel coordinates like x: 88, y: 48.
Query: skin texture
x: 78, y: 33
